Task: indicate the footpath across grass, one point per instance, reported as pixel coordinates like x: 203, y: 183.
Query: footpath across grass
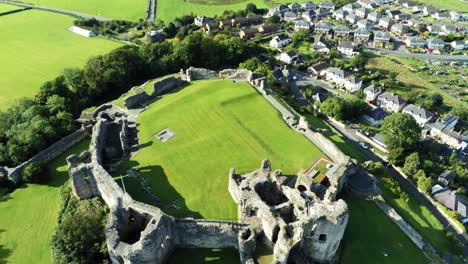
x: 29, y: 215
x: 36, y: 46
x: 218, y: 125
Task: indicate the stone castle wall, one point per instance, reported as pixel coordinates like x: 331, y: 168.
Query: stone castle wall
x: 136, y: 100
x: 199, y: 233
x: 193, y: 74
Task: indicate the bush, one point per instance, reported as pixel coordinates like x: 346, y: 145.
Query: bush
x: 33, y: 173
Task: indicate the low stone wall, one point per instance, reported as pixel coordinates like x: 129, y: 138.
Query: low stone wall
x: 236, y: 74
x: 193, y: 74
x: 166, y: 85
x: 199, y: 233
x: 50, y: 153
x: 136, y: 100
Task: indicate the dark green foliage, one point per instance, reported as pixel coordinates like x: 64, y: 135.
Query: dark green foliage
x: 425, y: 183
x: 400, y: 131
x: 80, y: 237
x: 33, y: 173
x: 412, y: 164
x: 273, y: 19
x: 342, y: 109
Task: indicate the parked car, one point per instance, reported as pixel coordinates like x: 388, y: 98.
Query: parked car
x: 363, y: 145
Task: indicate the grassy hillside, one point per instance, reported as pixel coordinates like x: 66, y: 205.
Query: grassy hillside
x: 117, y: 9
x: 219, y: 125
x: 36, y: 46
x: 29, y: 215
x: 455, y: 5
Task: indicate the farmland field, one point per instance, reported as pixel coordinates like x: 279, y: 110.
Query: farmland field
x: 118, y: 9
x: 29, y: 215
x: 219, y: 125
x: 455, y: 5
x: 167, y: 10
x: 36, y: 47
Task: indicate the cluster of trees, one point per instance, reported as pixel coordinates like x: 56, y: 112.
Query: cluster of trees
x: 33, y: 124
x: 344, y: 109
x: 109, y: 28
x: 80, y: 236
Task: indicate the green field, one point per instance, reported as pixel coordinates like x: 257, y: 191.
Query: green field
x: 455, y: 5
x: 7, y: 8
x: 118, y: 9
x: 167, y: 10
x: 371, y: 237
x: 218, y: 125
x: 36, y: 46
x: 29, y: 215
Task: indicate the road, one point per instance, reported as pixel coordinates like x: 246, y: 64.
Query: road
x: 350, y: 134
x: 57, y: 10
x: 421, y: 56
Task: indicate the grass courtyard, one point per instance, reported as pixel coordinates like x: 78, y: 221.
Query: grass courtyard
x: 36, y: 46
x: 29, y: 215
x: 219, y: 125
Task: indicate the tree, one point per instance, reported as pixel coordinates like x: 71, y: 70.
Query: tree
x: 33, y: 173
x: 335, y: 107
x: 357, y: 107
x: 400, y: 131
x: 274, y: 19
x: 395, y: 156
x: 251, y: 8
x: 425, y: 184
x: 412, y: 164
x: 300, y: 35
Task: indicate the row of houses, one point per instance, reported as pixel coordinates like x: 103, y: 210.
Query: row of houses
x: 434, y: 43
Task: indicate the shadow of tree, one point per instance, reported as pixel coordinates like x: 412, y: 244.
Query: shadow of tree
x: 4, y: 252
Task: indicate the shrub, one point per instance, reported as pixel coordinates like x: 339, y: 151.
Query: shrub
x: 33, y: 173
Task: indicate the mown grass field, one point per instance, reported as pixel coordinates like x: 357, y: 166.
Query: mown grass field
x: 455, y: 5
x: 36, y: 46
x: 131, y: 10
x: 219, y: 125
x: 29, y: 215
x: 6, y: 8
x: 167, y: 10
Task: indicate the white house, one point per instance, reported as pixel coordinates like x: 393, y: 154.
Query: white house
x: 280, y: 41
x: 390, y: 102
x: 459, y: 44
x: 371, y: 92
x: 320, y: 45
x: 301, y: 24
x: 375, y: 117
x: 435, y: 43
x: 343, y: 78
x: 288, y: 57
x: 81, y: 31
x: 421, y: 115
x: 347, y: 48
x: 415, y: 42
x: 374, y: 17
x: 381, y: 37
x: 449, y: 136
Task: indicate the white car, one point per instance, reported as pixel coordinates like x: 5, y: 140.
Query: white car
x: 363, y: 145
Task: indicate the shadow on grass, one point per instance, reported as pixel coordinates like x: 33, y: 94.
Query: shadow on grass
x: 4, y: 252
x: 145, y: 145
x: 196, y: 256
x: 172, y: 202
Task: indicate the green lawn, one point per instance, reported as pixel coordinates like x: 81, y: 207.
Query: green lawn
x: 371, y: 237
x: 218, y: 125
x: 455, y: 5
x: 29, y: 215
x: 212, y: 256
x: 6, y: 8
x: 36, y: 46
x: 118, y: 9
x: 167, y: 10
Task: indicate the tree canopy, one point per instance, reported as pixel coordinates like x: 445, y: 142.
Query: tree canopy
x: 400, y: 131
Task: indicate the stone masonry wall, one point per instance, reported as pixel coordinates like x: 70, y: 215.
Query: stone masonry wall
x: 166, y: 85
x: 199, y: 74
x: 137, y: 100
x: 50, y: 153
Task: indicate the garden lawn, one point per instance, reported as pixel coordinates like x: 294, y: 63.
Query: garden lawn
x: 455, y: 5
x: 29, y: 215
x: 36, y: 46
x: 167, y: 10
x: 371, y: 237
x: 219, y: 125
x: 131, y: 10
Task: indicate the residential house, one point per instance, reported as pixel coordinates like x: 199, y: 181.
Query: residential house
x: 290, y: 16
x: 429, y: 10
x: 281, y: 73
x: 434, y: 29
x: 441, y: 16
x: 385, y: 22
x: 392, y: 12
x: 435, y: 44
x: 343, y: 78
x: 323, y: 28
x: 448, y: 29
x: 374, y: 17
x: 418, y: 9
x: 225, y: 23
x: 155, y: 36
x: 246, y: 21
x: 450, y: 121
x: 449, y: 136
x: 446, y: 177
x: 421, y: 115
x: 399, y: 29
x: 201, y: 20
x: 381, y: 37
x: 288, y: 57
x: 368, y: 3
x: 452, y: 201
x: 362, y: 12
x: 322, y: 12
x: 459, y: 44
x: 455, y: 16
x: 361, y: 36
x: 320, y: 45
x: 402, y: 17
x: 307, y: 6
x: 349, y: 8
x: 413, y: 22
x: 364, y: 23
x: 371, y: 92
x: 340, y: 31
x: 352, y: 18
x: 415, y: 42
x: 294, y: 7
x: 272, y: 12
x: 269, y: 28
x: 320, y: 95
x: 327, y: 5
x: 353, y: 84
x: 210, y: 27
x: 248, y: 33
x: 340, y: 14
x: 318, y: 69
x: 309, y: 15
x: 347, y: 48
x: 409, y: 4
x: 390, y: 102
x: 301, y: 24
x: 280, y: 41
x: 375, y: 117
